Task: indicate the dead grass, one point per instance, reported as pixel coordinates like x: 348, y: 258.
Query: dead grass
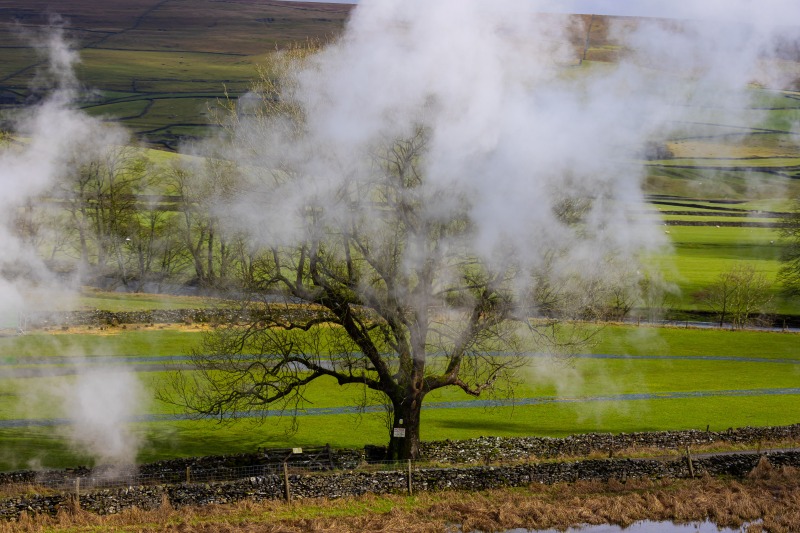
x: 116, y: 330
x: 22, y: 490
x: 752, y: 148
x: 647, y: 452
x: 769, y: 494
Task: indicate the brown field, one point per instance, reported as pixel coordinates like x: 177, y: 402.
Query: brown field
x: 159, y: 52
x: 768, y: 494
x: 222, y: 26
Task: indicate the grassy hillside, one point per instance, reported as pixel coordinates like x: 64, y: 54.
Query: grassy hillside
x: 158, y: 63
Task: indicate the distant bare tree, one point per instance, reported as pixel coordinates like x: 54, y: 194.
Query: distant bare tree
x: 656, y: 295
x: 205, y: 189
x: 738, y: 296
x: 101, y: 199
x: 151, y: 248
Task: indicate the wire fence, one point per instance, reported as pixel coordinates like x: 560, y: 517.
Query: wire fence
x: 282, y: 478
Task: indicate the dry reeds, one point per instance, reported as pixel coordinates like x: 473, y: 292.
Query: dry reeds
x: 770, y: 495
x: 22, y: 489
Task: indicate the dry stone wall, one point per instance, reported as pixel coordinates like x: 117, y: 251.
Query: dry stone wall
x: 352, y: 483
x: 495, y: 449
x: 100, y: 318
x: 480, y: 450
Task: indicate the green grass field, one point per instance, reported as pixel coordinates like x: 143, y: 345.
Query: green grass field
x: 705, y: 242
x: 701, y: 253
x: 115, y: 301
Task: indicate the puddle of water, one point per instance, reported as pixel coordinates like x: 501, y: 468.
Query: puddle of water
x: 646, y: 526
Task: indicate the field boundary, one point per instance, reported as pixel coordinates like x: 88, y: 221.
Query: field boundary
x: 271, y: 482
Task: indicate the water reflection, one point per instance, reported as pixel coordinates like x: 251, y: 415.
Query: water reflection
x: 645, y: 526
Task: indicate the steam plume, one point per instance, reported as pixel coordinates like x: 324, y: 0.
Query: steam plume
x: 55, y: 138
x: 516, y: 128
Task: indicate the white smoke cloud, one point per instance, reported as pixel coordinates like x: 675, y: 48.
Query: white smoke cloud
x: 52, y: 137
x: 516, y: 125
x: 513, y: 131
x: 514, y: 128
x: 98, y: 404
x: 53, y: 132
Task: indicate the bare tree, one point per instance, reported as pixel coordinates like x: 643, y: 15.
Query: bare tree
x: 151, y: 247
x: 101, y: 197
x: 789, y: 273
x: 738, y: 296
x: 656, y: 295
x: 375, y: 314
x: 205, y: 189
x: 375, y: 281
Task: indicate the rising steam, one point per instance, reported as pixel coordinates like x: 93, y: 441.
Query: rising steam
x: 52, y: 138
x: 517, y: 129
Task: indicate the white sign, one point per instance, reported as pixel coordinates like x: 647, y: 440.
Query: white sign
x: 400, y: 432
x: 297, y: 450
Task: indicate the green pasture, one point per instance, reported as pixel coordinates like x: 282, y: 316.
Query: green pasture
x: 576, y: 378
x: 774, y: 99
x: 694, y: 209
x: 164, y: 440
x: 732, y: 184
x: 699, y: 254
x: 117, y: 342
x: 674, y: 341
x: 566, y: 380
x: 178, y: 48
x: 119, y: 110
x: 741, y: 113
x: 16, y: 59
x: 709, y: 218
x: 770, y: 163
x: 118, y: 301
x: 610, y: 339
x: 780, y: 205
x: 747, y: 209
x: 163, y: 117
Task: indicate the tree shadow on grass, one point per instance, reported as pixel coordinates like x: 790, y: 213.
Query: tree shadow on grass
x: 511, y: 428
x: 490, y: 426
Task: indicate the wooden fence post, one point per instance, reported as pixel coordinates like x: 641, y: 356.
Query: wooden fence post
x: 689, y: 459
x: 77, y: 493
x: 188, y: 474
x: 287, y: 488
x: 410, y: 488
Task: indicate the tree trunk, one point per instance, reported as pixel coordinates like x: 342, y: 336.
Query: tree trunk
x: 210, y: 256
x: 405, y: 422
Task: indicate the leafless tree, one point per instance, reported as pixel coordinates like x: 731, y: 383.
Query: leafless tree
x: 372, y: 313
x: 101, y: 197
x: 378, y: 286
x: 205, y: 189
x: 738, y: 296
